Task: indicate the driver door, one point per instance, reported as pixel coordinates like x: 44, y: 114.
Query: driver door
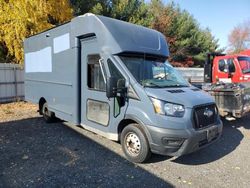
x: 98, y: 113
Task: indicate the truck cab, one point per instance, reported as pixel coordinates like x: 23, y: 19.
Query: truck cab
x: 231, y: 68
x: 227, y: 68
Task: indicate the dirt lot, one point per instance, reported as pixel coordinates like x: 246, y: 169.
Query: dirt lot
x: 36, y: 154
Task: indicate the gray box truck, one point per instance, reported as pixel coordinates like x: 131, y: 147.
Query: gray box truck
x: 112, y: 78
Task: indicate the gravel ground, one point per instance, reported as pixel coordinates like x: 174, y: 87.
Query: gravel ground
x: 17, y: 111
x: 36, y: 154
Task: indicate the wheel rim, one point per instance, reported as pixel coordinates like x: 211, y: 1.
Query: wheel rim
x: 132, y: 144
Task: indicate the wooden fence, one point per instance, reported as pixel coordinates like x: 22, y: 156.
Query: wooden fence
x: 11, y: 83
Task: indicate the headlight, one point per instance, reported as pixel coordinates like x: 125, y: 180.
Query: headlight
x: 166, y: 108
x: 174, y: 109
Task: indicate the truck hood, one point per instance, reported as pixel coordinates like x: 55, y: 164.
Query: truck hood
x: 187, y: 96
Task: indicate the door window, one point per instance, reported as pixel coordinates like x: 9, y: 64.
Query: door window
x: 222, y: 65
x: 226, y: 65
x: 95, y: 74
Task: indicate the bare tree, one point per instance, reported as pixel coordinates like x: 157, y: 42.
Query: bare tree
x: 239, y: 38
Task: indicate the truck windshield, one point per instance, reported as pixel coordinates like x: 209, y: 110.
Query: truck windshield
x: 154, y: 73
x: 244, y: 64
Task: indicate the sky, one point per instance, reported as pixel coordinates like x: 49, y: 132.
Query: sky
x: 220, y: 16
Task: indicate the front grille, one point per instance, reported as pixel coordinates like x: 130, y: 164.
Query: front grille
x: 204, y: 116
x: 195, y: 89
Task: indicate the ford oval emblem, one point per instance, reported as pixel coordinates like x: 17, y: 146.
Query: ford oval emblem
x: 208, y: 113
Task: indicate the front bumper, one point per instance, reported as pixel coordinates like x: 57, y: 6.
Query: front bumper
x: 179, y: 142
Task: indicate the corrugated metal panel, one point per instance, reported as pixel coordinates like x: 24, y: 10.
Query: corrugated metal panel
x: 11, y: 83
x: 195, y: 74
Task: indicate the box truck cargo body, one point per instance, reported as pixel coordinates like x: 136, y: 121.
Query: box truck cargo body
x: 112, y: 77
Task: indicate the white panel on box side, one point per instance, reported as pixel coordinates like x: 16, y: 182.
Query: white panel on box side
x: 39, y: 61
x: 61, y: 43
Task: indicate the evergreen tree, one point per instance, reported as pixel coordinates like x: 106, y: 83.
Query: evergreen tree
x: 187, y: 41
x: 134, y: 11
x: 81, y: 7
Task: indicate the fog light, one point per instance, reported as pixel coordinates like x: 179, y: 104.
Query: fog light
x: 172, y: 141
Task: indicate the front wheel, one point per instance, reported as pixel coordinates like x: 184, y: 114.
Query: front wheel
x: 135, y: 144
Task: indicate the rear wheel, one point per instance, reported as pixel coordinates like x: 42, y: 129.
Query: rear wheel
x: 47, y: 115
x: 135, y: 144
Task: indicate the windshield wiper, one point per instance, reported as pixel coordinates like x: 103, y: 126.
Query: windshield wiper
x: 150, y: 84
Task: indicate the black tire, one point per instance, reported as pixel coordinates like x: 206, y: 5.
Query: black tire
x: 47, y: 115
x: 135, y: 144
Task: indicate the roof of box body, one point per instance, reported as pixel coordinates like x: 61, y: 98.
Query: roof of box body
x: 119, y: 36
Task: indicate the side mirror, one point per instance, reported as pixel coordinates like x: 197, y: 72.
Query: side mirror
x: 121, y: 88
x: 231, y: 68
x: 111, y: 87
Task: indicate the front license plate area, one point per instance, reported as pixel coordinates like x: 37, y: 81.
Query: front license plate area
x: 212, y: 133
